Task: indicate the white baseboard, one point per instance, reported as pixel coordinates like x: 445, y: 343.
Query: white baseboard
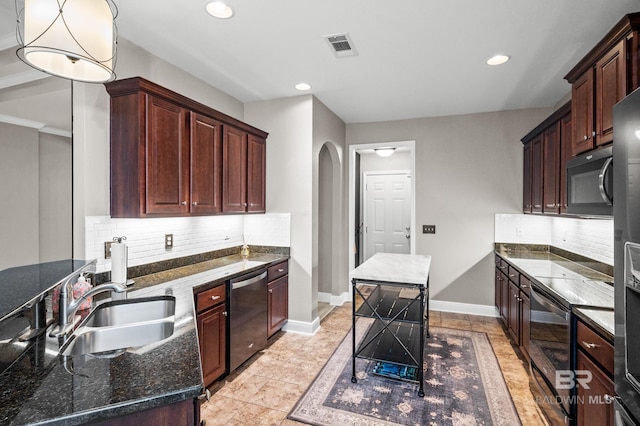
x: 463, y: 308
x: 334, y: 300
x: 302, y: 327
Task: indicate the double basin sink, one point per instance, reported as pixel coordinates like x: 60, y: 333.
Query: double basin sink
x: 114, y: 326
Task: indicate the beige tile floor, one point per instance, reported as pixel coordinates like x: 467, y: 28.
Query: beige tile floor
x: 268, y: 385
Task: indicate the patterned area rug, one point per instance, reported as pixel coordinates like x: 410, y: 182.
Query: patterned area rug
x: 463, y: 386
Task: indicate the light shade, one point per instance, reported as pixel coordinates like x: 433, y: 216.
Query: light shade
x: 303, y: 86
x: 219, y: 9
x: 74, y: 39
x: 498, y: 59
x: 384, y: 152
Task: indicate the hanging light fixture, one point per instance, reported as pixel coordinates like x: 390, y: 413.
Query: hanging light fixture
x: 73, y: 39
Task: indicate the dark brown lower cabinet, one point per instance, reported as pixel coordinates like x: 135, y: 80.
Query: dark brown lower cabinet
x: 212, y: 332
x: 278, y: 304
x: 593, y: 404
x: 513, y: 318
x: 212, y: 336
x: 525, y: 323
x: 185, y: 413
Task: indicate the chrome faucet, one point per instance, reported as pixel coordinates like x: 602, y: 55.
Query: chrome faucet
x: 68, y: 306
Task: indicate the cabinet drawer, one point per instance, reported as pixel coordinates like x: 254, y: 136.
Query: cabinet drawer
x: 596, y: 346
x: 525, y: 285
x: 278, y: 270
x: 514, y: 275
x: 211, y: 297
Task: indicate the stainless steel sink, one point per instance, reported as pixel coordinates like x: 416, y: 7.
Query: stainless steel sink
x: 122, y: 324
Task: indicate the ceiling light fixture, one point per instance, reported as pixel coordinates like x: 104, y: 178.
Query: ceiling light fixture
x: 498, y: 59
x: 219, y: 9
x: 385, y: 152
x: 303, y: 87
x: 73, y: 39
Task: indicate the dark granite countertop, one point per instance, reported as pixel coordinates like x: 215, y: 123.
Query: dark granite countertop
x: 41, y: 387
x: 574, y: 282
x: 22, y: 285
x: 602, y: 320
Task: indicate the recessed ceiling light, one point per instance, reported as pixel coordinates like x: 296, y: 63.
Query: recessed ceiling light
x: 303, y: 86
x: 219, y: 9
x: 498, y: 59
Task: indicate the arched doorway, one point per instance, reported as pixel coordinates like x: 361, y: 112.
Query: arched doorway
x: 330, y: 229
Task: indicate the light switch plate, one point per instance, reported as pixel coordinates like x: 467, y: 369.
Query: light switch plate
x: 428, y: 229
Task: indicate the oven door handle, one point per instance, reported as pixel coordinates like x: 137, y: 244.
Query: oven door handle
x: 603, y: 191
x: 550, y: 305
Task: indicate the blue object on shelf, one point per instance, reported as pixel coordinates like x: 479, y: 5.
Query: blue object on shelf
x: 395, y: 371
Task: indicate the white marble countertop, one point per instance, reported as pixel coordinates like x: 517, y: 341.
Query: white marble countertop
x: 394, y: 267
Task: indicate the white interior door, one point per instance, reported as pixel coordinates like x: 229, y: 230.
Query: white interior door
x: 387, y: 213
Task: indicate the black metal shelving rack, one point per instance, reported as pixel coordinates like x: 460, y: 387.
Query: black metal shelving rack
x: 398, y: 332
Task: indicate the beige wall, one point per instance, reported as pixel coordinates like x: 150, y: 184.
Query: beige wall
x: 467, y: 169
x: 329, y: 210
x: 289, y: 180
x: 19, y: 178
x: 35, y: 189
x: 55, y: 197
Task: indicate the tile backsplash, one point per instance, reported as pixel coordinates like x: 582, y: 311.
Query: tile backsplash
x: 592, y: 238
x: 193, y: 235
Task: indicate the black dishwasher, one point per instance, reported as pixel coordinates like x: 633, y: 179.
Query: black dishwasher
x: 247, y: 316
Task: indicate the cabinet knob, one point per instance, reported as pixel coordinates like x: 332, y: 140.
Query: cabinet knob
x: 524, y: 286
x: 184, y: 203
x: 281, y: 270
x: 195, y: 203
x: 585, y: 138
x: 589, y: 345
x: 245, y: 204
x: 608, y: 398
x: 215, y: 297
x: 270, y: 290
x: 225, y: 313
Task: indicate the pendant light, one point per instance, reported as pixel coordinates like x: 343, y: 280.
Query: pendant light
x: 73, y: 39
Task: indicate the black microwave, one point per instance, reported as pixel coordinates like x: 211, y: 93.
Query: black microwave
x: 590, y: 183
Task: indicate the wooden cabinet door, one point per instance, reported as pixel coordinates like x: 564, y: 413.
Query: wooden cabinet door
x: 582, y: 113
x: 536, y: 175
x: 497, y: 287
x: 504, y: 298
x: 592, y: 407
x: 525, y: 322
x: 234, y: 170
x: 167, y: 158
x: 278, y: 307
x: 526, y: 180
x: 206, y: 165
x: 550, y: 174
x: 513, y: 316
x: 611, y: 87
x: 566, y: 137
x: 256, y: 166
x: 212, y: 325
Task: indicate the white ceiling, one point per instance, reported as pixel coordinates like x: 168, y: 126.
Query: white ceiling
x: 417, y: 58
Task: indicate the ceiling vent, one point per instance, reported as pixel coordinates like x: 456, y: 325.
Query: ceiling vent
x: 341, y: 45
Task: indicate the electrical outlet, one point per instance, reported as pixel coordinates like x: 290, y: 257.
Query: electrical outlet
x: 168, y: 241
x: 428, y: 229
x: 107, y: 249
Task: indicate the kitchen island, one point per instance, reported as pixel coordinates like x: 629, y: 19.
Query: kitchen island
x: 394, y: 291
x: 41, y: 387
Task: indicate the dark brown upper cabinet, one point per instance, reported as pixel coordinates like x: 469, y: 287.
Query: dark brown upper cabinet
x: 602, y: 78
x: 172, y: 156
x: 544, y: 166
